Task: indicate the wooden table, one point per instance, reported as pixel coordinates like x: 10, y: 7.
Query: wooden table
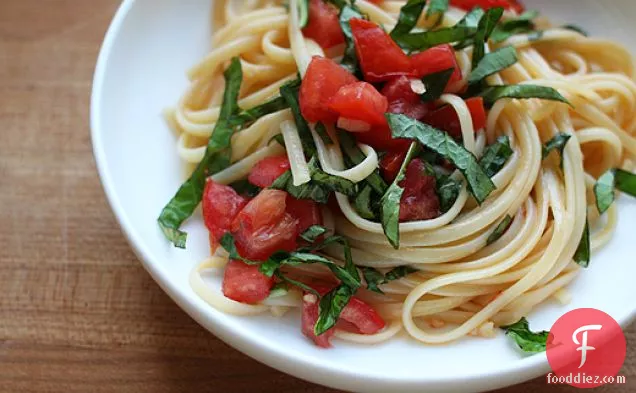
x: 77, y: 311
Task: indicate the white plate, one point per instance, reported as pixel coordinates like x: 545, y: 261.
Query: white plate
x: 141, y: 70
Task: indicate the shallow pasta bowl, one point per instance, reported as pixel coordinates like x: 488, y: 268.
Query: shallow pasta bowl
x: 141, y: 70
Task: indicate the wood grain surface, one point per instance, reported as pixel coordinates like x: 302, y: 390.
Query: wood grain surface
x: 77, y: 311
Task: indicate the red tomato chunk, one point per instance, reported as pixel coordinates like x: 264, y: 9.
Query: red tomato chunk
x: 245, y: 283
x: 264, y: 227
x: 362, y: 316
x: 360, y: 101
x: 266, y: 171
x: 446, y: 119
x: 310, y: 316
x: 391, y: 163
x: 306, y: 211
x: 381, y: 59
x: 221, y: 204
x: 437, y: 59
x: 420, y: 200
x: 322, y: 81
x: 323, y: 25
x: 403, y: 100
x: 468, y: 5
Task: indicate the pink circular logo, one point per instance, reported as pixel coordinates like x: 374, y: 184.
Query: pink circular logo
x: 586, y: 348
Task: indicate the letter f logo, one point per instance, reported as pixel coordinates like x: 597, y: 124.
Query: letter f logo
x: 583, y: 344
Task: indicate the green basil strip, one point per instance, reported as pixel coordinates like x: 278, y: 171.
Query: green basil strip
x: 436, y: 84
x: 437, y: 7
x: 576, y: 28
x: 244, y: 187
x: 303, y: 12
x: 272, y: 106
x: 493, y: 63
x: 350, y: 58
x: 479, y: 182
x: 302, y: 286
x: 496, y: 155
x: 227, y: 242
x: 471, y: 19
x: 494, y: 93
x: 331, y: 182
x: 217, y: 157
x: 521, y: 25
x: 309, y: 190
x: 355, y: 156
x: 289, y: 92
x: 584, y: 250
x: 374, y: 278
x: 330, y: 308
x: 321, y: 130
x: 447, y: 191
x: 500, y: 230
x: 557, y: 143
x: 613, y: 179
x: 429, y: 39
x: 363, y: 203
x: 527, y: 340
x: 485, y: 28
x: 409, y: 15
x: 338, y: 3
x: 312, y: 233
x: 390, y: 211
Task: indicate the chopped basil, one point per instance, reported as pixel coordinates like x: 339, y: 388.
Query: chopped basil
x: 521, y: 25
x: 557, y: 143
x: 447, y: 191
x: 527, y: 340
x: 331, y: 182
x: 409, y: 15
x: 364, y: 205
x: 493, y: 63
x: 500, y: 230
x: 496, y: 155
x: 613, y: 179
x: 429, y: 39
x: 217, y: 157
x: 312, y: 233
x: 435, y: 84
x: 494, y: 93
x: 471, y: 19
x: 244, y: 187
x: 350, y: 59
x: 390, y: 210
x: 354, y: 155
x: 227, y: 242
x: 302, y: 286
x: 485, y: 28
x: 576, y: 28
x: 274, y: 105
x: 437, y: 7
x: 479, y: 182
x: 289, y: 92
x: 374, y: 278
x: 582, y: 254
x: 321, y: 130
x: 331, y: 306
x: 338, y: 3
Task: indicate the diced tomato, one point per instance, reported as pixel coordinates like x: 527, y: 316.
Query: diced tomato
x: 381, y: 59
x: 381, y: 139
x: 323, y: 25
x: 323, y: 79
x: 403, y: 100
x: 267, y: 170
x: 363, y: 316
x: 221, y: 204
x: 391, y: 163
x: 446, y: 119
x: 245, y: 283
x: 419, y: 200
x: 436, y: 59
x: 310, y: 316
x: 360, y: 101
x: 264, y: 227
x: 468, y: 5
x: 306, y: 211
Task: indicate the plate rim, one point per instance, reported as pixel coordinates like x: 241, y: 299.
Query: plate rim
x: 291, y: 363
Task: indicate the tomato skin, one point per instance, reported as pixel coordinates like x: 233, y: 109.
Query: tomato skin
x: 323, y: 25
x: 419, y: 200
x: 245, y: 283
x: 323, y: 79
x: 306, y: 211
x: 381, y: 59
x: 468, y: 5
x: 360, y: 101
x: 362, y: 316
x: 446, y: 119
x: 310, y: 314
x: 267, y: 170
x: 221, y: 204
x: 436, y: 59
x: 403, y: 100
x: 391, y: 163
x: 264, y: 227
x: 381, y: 139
